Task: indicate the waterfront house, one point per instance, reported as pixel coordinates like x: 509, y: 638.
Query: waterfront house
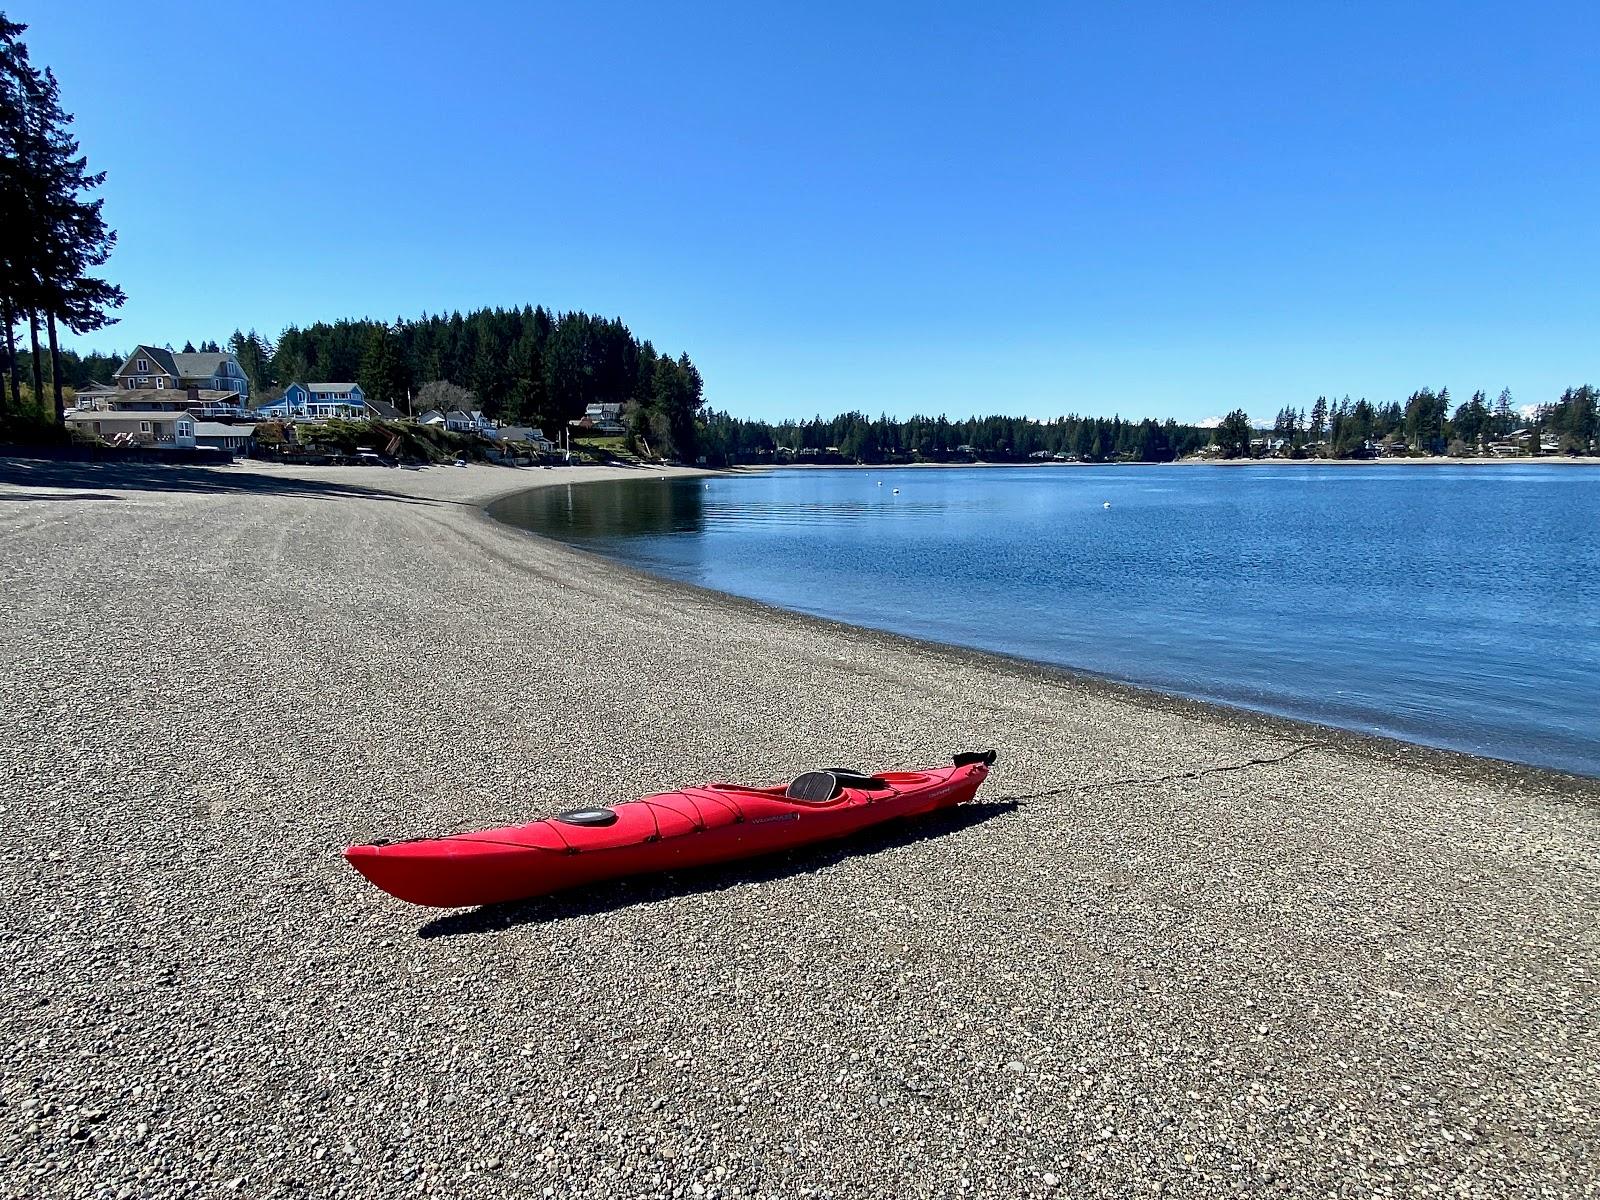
x: 198, y: 402
x: 96, y: 396
x: 175, y: 429
x: 1520, y: 441
x: 218, y: 435
x: 531, y: 434
x: 153, y: 369
x: 318, y: 402
x: 378, y: 410
x: 459, y: 420
x: 601, y: 418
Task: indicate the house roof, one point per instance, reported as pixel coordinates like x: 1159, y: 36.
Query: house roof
x: 161, y: 358
x: 457, y: 414
x: 130, y: 415
x: 220, y: 429
x: 197, y: 366
x: 433, y: 414
x: 387, y: 412
x: 320, y: 388
x: 168, y: 395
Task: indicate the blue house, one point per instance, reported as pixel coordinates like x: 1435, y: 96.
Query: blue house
x: 319, y: 401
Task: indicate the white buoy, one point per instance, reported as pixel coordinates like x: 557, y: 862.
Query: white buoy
x: 1108, y: 504
x: 880, y: 483
x: 896, y: 491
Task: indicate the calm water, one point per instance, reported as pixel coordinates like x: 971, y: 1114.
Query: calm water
x: 1456, y: 606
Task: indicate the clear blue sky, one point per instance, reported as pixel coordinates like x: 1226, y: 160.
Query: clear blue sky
x: 1152, y: 209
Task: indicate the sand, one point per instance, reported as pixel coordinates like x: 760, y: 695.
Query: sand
x: 1227, y: 954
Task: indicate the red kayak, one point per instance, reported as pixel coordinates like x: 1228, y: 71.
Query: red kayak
x: 688, y: 828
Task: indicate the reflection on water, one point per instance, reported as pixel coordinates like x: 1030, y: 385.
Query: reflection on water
x: 626, y: 508
x: 1451, y: 606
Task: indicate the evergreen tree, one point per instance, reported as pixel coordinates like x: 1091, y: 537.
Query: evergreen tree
x: 255, y: 359
x: 1234, y: 433
x: 1503, y: 414
x: 489, y: 377
x: 54, y: 234
x: 1423, y: 423
x: 384, y: 373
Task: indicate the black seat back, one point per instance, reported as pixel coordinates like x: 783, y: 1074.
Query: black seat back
x: 814, y: 787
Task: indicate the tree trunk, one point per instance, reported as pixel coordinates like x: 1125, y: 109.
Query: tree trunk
x: 38, y: 367
x: 9, y: 316
x: 55, y: 371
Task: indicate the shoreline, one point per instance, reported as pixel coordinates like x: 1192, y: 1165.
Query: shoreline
x: 1470, y: 765
x: 1169, y: 948
x: 1437, y: 460
x: 1392, y: 749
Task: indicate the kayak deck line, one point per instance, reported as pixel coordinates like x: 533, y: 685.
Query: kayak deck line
x: 692, y: 826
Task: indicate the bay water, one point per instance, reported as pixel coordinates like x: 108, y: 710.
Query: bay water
x: 1451, y: 606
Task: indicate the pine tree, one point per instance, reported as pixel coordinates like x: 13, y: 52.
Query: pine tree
x: 384, y: 373
x: 15, y: 71
x: 1502, y: 413
x: 54, y: 235
x: 1234, y: 433
x: 1319, y: 418
x: 72, y: 235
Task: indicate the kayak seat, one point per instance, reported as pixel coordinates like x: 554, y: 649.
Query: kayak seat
x: 814, y: 787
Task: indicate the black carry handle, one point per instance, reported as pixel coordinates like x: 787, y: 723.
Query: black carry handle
x: 986, y: 757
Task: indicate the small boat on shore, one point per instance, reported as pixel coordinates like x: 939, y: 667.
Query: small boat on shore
x: 696, y: 826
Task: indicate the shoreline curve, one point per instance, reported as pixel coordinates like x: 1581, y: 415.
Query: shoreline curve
x: 1479, y: 767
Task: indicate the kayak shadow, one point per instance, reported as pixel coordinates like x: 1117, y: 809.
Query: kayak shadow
x: 643, y: 889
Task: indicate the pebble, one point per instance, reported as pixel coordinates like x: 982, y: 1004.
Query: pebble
x: 1309, y: 971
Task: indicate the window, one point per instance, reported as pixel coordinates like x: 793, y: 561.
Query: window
x: 142, y: 365
x: 185, y: 429
x: 161, y: 382
x: 144, y: 426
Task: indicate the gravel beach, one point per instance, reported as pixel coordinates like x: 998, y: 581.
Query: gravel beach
x: 1230, y: 955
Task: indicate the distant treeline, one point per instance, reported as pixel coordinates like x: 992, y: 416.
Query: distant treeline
x: 855, y: 437
x: 1427, y: 423
x: 531, y: 366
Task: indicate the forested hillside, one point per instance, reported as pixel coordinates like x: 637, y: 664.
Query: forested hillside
x: 529, y: 366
